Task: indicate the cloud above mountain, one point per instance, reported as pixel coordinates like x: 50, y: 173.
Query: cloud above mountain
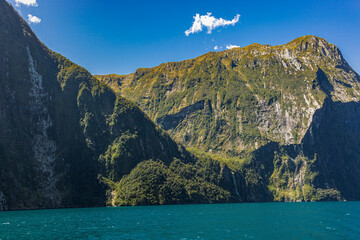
x: 230, y: 46
x: 210, y: 22
x: 33, y: 19
x: 32, y: 3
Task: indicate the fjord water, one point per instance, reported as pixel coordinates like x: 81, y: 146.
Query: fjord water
x: 331, y: 220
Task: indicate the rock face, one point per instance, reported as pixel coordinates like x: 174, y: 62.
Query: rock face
x: 333, y: 140
x: 43, y: 147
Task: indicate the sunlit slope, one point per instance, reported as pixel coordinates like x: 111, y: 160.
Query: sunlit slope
x: 238, y: 100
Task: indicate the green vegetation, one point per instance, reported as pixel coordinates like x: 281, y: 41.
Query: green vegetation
x: 293, y: 180
x: 235, y: 164
x: 152, y: 182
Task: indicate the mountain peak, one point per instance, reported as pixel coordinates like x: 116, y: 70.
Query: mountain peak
x: 303, y: 43
x: 307, y: 38
x: 318, y: 45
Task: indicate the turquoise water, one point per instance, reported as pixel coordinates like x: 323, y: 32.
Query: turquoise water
x: 266, y: 221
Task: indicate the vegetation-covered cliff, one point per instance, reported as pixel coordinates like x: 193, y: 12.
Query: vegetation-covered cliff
x: 288, y: 114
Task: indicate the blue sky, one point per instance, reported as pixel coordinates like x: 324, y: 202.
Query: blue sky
x: 112, y: 36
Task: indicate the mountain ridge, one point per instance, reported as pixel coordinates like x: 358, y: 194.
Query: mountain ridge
x: 295, y: 42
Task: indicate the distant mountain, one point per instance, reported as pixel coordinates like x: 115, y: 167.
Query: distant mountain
x: 289, y: 112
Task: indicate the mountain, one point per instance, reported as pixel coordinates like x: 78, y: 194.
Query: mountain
x: 288, y: 113
x: 67, y: 139
x: 259, y: 123
x: 238, y: 100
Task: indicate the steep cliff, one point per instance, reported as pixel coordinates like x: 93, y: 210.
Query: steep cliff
x: 62, y: 131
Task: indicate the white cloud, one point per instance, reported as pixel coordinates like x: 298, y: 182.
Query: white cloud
x: 216, y: 47
x: 33, y: 19
x: 230, y: 46
x: 210, y: 23
x: 26, y: 2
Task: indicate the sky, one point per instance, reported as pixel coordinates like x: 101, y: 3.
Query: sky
x: 116, y: 36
